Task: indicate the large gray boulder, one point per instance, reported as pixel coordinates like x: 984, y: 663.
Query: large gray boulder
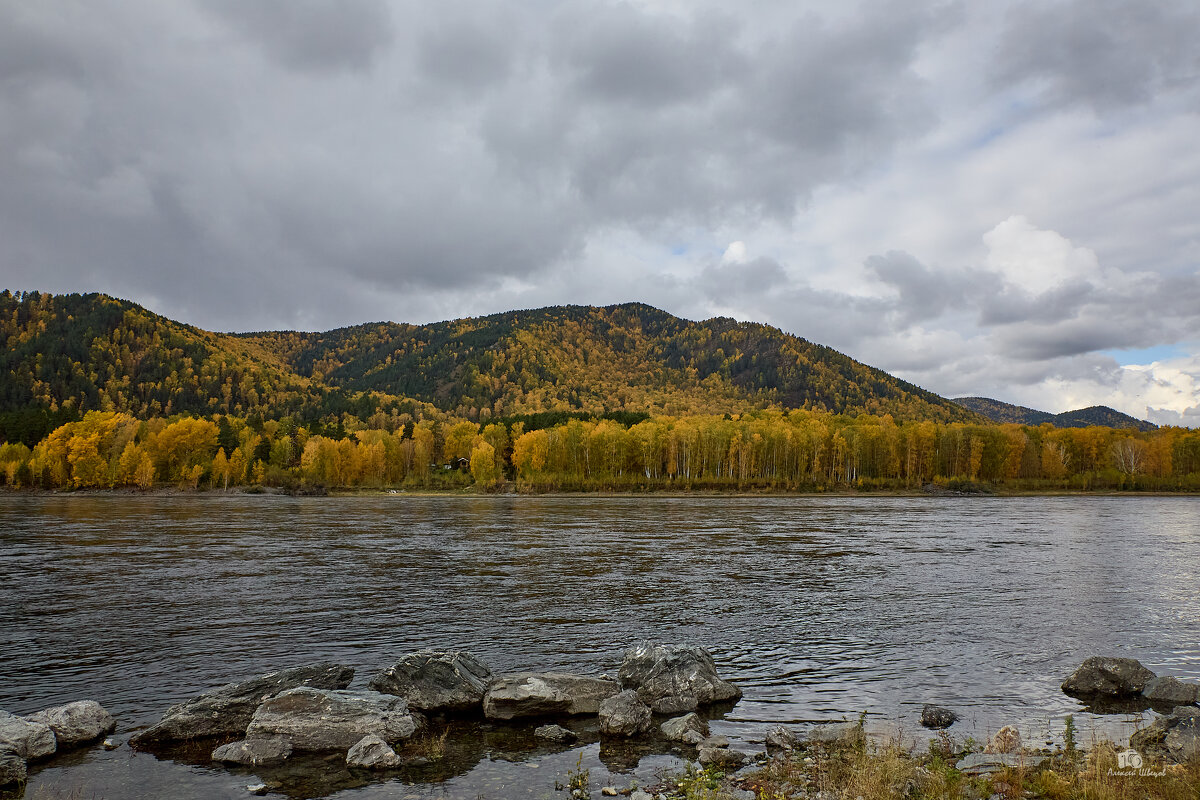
x: 227, y: 711
x: 12, y: 768
x: 1005, y: 740
x: 1183, y: 734
x: 689, y: 729
x: 327, y: 719
x: 722, y: 757
x: 29, y: 740
x: 254, y: 752
x: 436, y: 681
x: 781, y: 738
x: 837, y: 734
x: 1106, y: 676
x: 937, y: 717
x: 540, y: 694
x: 372, y: 752
x: 1167, y: 690
x: 1175, y: 737
x: 988, y: 763
x: 76, y: 723
x: 624, y: 714
x: 674, y: 679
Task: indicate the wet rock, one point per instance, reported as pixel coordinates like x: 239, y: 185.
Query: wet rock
x: 674, y: 679
x: 692, y: 737
x: 111, y: 744
x: 781, y: 738
x: 624, y: 715
x: 254, y: 752
x: 988, y: 763
x: 436, y: 681
x: 76, y: 723
x: 554, y: 733
x: 326, y: 719
x: 12, y: 768
x: 29, y: 740
x: 540, y: 694
x: 1150, y: 739
x: 1104, y: 676
x: 609, y: 791
x: 715, y: 741
x: 372, y: 752
x: 1167, y: 690
x: 638, y: 794
x: 837, y: 734
x: 1006, y: 740
x: 256, y: 788
x: 227, y: 711
x: 1182, y: 741
x: 937, y: 717
x: 722, y: 757
x: 678, y: 728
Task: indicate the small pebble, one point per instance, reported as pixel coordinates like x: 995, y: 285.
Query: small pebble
x: 609, y: 791
x: 256, y: 788
x: 111, y: 744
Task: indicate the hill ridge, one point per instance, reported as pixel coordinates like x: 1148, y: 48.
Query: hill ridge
x: 1104, y: 416
x: 64, y: 354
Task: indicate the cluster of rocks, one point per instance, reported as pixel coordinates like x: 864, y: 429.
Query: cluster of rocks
x: 1175, y: 734
x: 41, y: 735
x: 1111, y: 678
x: 310, y: 709
x: 304, y: 709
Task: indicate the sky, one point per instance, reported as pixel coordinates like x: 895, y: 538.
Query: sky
x: 996, y: 199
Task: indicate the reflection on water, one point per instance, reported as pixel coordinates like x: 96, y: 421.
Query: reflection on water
x: 817, y: 607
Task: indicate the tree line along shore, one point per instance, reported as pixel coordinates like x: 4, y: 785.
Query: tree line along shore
x: 755, y: 451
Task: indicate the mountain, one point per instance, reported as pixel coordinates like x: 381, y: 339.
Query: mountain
x: 627, y: 357
x: 65, y: 354
x: 1102, y: 416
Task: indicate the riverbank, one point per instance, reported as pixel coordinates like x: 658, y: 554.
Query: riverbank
x: 894, y: 769
x: 670, y: 492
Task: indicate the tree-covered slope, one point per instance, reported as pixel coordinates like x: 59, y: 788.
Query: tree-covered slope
x: 630, y: 357
x: 62, y: 355
x: 1102, y: 416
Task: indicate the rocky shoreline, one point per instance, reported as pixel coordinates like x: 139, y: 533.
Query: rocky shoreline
x: 661, y: 694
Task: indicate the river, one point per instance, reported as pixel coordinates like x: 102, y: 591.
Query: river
x: 820, y: 608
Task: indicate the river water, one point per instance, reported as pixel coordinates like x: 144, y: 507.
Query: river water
x: 820, y: 608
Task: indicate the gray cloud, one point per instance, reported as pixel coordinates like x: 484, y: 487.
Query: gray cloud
x: 412, y: 147
x: 294, y: 163
x: 1106, y: 53
x: 755, y: 277
x: 311, y: 34
x: 925, y: 293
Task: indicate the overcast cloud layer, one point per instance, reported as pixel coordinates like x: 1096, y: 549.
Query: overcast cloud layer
x: 984, y: 198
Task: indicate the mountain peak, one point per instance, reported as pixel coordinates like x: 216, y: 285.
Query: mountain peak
x: 65, y: 354
x: 1102, y: 416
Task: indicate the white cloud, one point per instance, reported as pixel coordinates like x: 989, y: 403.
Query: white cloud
x: 735, y: 253
x: 1036, y: 260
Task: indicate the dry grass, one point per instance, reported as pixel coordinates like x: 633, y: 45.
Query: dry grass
x: 429, y: 745
x: 891, y: 772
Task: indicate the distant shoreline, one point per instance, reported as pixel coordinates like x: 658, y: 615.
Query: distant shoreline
x: 624, y: 494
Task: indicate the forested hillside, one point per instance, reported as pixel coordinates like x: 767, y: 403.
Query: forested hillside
x: 1103, y: 416
x: 101, y: 393
x: 627, y: 357
x: 64, y: 355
